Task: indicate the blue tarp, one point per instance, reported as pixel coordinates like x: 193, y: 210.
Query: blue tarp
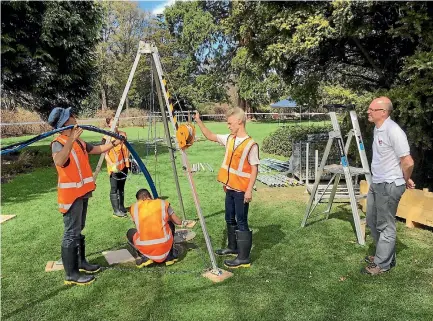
x: 285, y: 103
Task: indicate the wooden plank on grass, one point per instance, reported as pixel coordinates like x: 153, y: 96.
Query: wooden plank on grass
x: 53, y: 266
x: 4, y: 218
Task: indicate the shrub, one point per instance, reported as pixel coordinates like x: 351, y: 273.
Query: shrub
x: 141, y: 121
x: 19, y: 115
x: 280, y: 141
x: 24, y: 162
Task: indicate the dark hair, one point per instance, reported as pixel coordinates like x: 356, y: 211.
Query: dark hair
x: 143, y: 193
x: 108, y: 119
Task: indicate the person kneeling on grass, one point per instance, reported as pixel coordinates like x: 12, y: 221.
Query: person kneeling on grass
x: 153, y: 237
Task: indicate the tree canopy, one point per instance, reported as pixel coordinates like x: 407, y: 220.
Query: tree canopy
x: 322, y: 52
x: 47, y: 52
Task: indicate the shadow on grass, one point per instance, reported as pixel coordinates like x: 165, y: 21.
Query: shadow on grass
x: 31, y: 304
x: 346, y: 215
x: 266, y: 238
x: 216, y: 214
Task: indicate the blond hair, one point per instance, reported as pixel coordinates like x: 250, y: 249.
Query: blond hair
x: 238, y: 112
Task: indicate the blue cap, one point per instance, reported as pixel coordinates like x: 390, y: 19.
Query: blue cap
x: 59, y: 116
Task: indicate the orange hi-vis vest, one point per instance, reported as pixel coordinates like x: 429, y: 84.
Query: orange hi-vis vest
x: 153, y: 237
x: 235, y: 171
x: 118, y: 155
x: 76, y: 179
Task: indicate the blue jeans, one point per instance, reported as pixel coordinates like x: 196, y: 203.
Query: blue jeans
x: 236, y: 210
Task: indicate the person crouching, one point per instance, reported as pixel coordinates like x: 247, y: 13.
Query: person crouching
x: 153, y: 235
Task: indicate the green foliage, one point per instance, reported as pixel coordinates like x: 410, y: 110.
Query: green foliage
x: 280, y: 142
x: 47, y: 52
x: 203, y: 75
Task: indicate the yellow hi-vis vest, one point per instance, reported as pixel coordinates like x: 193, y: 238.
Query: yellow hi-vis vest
x: 119, y: 155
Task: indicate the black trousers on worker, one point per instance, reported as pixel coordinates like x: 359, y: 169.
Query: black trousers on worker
x: 118, y: 180
x: 236, y: 210
x: 74, y: 221
x: 131, y: 232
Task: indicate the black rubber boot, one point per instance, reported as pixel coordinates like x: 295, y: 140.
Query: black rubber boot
x: 70, y: 264
x: 114, y: 198
x: 121, y: 202
x: 172, y: 257
x: 142, y: 261
x: 232, y: 246
x: 245, y: 241
x: 83, y: 265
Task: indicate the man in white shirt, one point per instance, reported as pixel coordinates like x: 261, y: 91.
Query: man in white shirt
x: 238, y: 174
x: 392, y: 168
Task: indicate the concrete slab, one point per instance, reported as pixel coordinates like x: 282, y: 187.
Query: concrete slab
x: 118, y: 257
x: 183, y: 235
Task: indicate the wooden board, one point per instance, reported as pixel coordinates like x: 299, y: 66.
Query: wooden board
x: 363, y: 190
x: 4, y: 218
x: 190, y: 223
x: 53, y: 266
x: 416, y: 206
x: 217, y: 278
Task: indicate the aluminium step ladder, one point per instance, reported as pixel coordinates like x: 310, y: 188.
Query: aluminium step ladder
x: 341, y: 169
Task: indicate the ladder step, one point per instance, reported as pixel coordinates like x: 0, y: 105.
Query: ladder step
x: 338, y: 169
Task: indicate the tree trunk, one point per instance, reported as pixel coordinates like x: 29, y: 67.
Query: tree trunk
x: 103, y: 99
x: 127, y: 105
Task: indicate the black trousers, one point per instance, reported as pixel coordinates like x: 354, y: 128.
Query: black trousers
x: 74, y: 221
x: 237, y: 210
x: 118, y: 180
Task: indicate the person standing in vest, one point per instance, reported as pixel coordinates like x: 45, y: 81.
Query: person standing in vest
x: 75, y: 187
x: 117, y: 160
x: 153, y: 234
x: 392, y: 168
x: 238, y: 174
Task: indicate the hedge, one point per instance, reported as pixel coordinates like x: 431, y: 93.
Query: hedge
x: 280, y: 141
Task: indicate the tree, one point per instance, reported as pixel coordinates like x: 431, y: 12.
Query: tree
x: 125, y: 24
x: 350, y: 51
x: 203, y: 72
x: 48, y: 52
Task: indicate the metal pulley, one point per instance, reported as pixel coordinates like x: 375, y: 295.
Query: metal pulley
x: 185, y: 135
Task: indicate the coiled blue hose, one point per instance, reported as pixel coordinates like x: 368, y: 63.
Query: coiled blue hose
x: 18, y: 146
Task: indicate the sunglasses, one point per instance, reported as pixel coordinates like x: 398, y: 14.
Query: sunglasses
x: 371, y: 109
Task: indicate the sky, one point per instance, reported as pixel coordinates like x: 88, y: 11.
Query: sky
x: 156, y: 7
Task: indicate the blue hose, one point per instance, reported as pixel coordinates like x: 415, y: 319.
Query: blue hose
x: 18, y: 146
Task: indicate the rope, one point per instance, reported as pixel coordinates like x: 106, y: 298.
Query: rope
x: 18, y: 146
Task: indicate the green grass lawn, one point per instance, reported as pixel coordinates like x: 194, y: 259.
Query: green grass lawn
x: 297, y: 273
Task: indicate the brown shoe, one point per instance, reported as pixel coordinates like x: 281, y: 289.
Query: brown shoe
x: 369, y: 259
x: 373, y: 269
